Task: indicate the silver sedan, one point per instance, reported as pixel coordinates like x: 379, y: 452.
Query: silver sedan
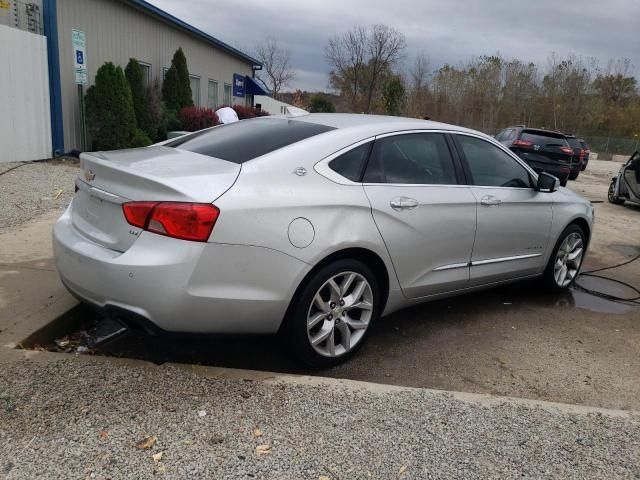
x: 311, y: 226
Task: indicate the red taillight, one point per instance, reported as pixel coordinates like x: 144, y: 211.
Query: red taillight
x: 187, y: 221
x: 567, y: 150
x: 582, y: 153
x: 522, y: 143
x: 137, y: 213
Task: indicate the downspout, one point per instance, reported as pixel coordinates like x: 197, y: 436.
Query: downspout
x: 50, y: 20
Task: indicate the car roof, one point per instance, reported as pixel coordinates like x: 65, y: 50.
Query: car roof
x: 374, y: 124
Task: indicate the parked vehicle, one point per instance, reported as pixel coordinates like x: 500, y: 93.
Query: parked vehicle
x: 311, y: 226
x: 587, y: 152
x: 542, y: 150
x: 625, y: 187
x: 578, y: 154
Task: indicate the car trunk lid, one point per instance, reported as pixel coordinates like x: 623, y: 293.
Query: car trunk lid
x: 109, y: 179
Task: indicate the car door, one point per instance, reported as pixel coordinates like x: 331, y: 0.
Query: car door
x: 513, y: 221
x: 425, y: 215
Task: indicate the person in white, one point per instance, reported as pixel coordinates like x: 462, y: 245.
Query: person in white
x: 227, y: 115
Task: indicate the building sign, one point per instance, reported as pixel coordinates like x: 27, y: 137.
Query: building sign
x: 238, y: 85
x: 80, y: 57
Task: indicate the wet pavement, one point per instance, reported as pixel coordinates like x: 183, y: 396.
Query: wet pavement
x: 517, y: 340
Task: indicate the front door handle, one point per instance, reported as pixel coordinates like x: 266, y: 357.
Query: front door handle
x: 403, y: 203
x: 490, y: 201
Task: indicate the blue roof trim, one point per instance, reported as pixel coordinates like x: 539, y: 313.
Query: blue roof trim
x: 253, y: 87
x: 146, y: 6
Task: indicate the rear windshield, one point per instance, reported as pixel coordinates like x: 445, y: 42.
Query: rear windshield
x: 245, y: 140
x: 544, y: 138
x: 574, y: 142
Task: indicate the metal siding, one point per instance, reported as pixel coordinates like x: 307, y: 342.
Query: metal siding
x: 116, y: 32
x: 25, y: 123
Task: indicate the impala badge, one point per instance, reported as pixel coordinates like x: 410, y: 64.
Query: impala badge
x: 89, y: 175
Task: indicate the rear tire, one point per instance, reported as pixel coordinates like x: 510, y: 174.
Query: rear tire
x: 612, y: 197
x: 331, y: 315
x: 563, y: 182
x: 566, y: 259
x: 574, y: 175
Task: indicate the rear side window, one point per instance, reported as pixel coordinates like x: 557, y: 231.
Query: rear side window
x: 245, y: 140
x: 416, y: 158
x: 492, y: 167
x: 351, y: 164
x: 544, y: 139
x: 574, y: 142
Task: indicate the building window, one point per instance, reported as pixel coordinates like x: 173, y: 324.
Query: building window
x: 164, y: 72
x: 227, y: 94
x: 212, y: 94
x: 146, y: 73
x: 195, y: 89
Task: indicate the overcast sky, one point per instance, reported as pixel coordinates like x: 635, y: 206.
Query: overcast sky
x: 448, y: 31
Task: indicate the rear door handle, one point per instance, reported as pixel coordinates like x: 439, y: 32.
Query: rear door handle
x: 490, y: 201
x: 403, y: 203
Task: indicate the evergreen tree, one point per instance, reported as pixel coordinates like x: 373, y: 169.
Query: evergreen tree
x: 176, y: 88
x: 134, y: 75
x: 111, y: 119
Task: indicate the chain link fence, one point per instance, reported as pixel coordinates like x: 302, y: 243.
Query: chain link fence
x: 607, y: 146
x: 25, y: 15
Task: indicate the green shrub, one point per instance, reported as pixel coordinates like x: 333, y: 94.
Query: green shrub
x: 139, y: 139
x: 111, y: 120
x: 176, y: 89
x: 321, y: 104
x: 134, y: 75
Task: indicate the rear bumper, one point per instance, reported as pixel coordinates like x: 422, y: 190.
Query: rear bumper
x: 178, y: 285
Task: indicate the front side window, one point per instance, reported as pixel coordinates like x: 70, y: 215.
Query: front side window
x: 492, y: 167
x: 416, y: 158
x: 351, y: 164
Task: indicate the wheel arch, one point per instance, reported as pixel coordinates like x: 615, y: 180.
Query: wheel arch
x: 584, y: 225
x: 366, y: 256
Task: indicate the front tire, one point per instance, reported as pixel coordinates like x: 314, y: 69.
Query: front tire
x: 566, y: 259
x: 332, y: 314
x: 611, y: 196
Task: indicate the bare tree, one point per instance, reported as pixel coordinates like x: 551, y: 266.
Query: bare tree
x: 361, y: 60
x: 419, y: 75
x: 346, y: 53
x: 277, y: 72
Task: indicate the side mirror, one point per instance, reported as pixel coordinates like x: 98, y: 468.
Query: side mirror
x: 547, y: 183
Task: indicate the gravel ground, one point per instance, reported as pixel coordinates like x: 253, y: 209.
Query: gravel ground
x: 34, y: 188
x: 80, y: 418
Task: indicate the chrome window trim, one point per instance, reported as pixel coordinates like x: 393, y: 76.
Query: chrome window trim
x: 504, y: 259
x: 322, y: 167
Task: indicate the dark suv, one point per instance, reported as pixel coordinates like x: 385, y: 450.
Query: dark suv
x: 585, y: 146
x: 543, y: 150
x: 578, y: 153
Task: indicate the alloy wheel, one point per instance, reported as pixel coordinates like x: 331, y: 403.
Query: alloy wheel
x: 568, y: 259
x: 339, y: 314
